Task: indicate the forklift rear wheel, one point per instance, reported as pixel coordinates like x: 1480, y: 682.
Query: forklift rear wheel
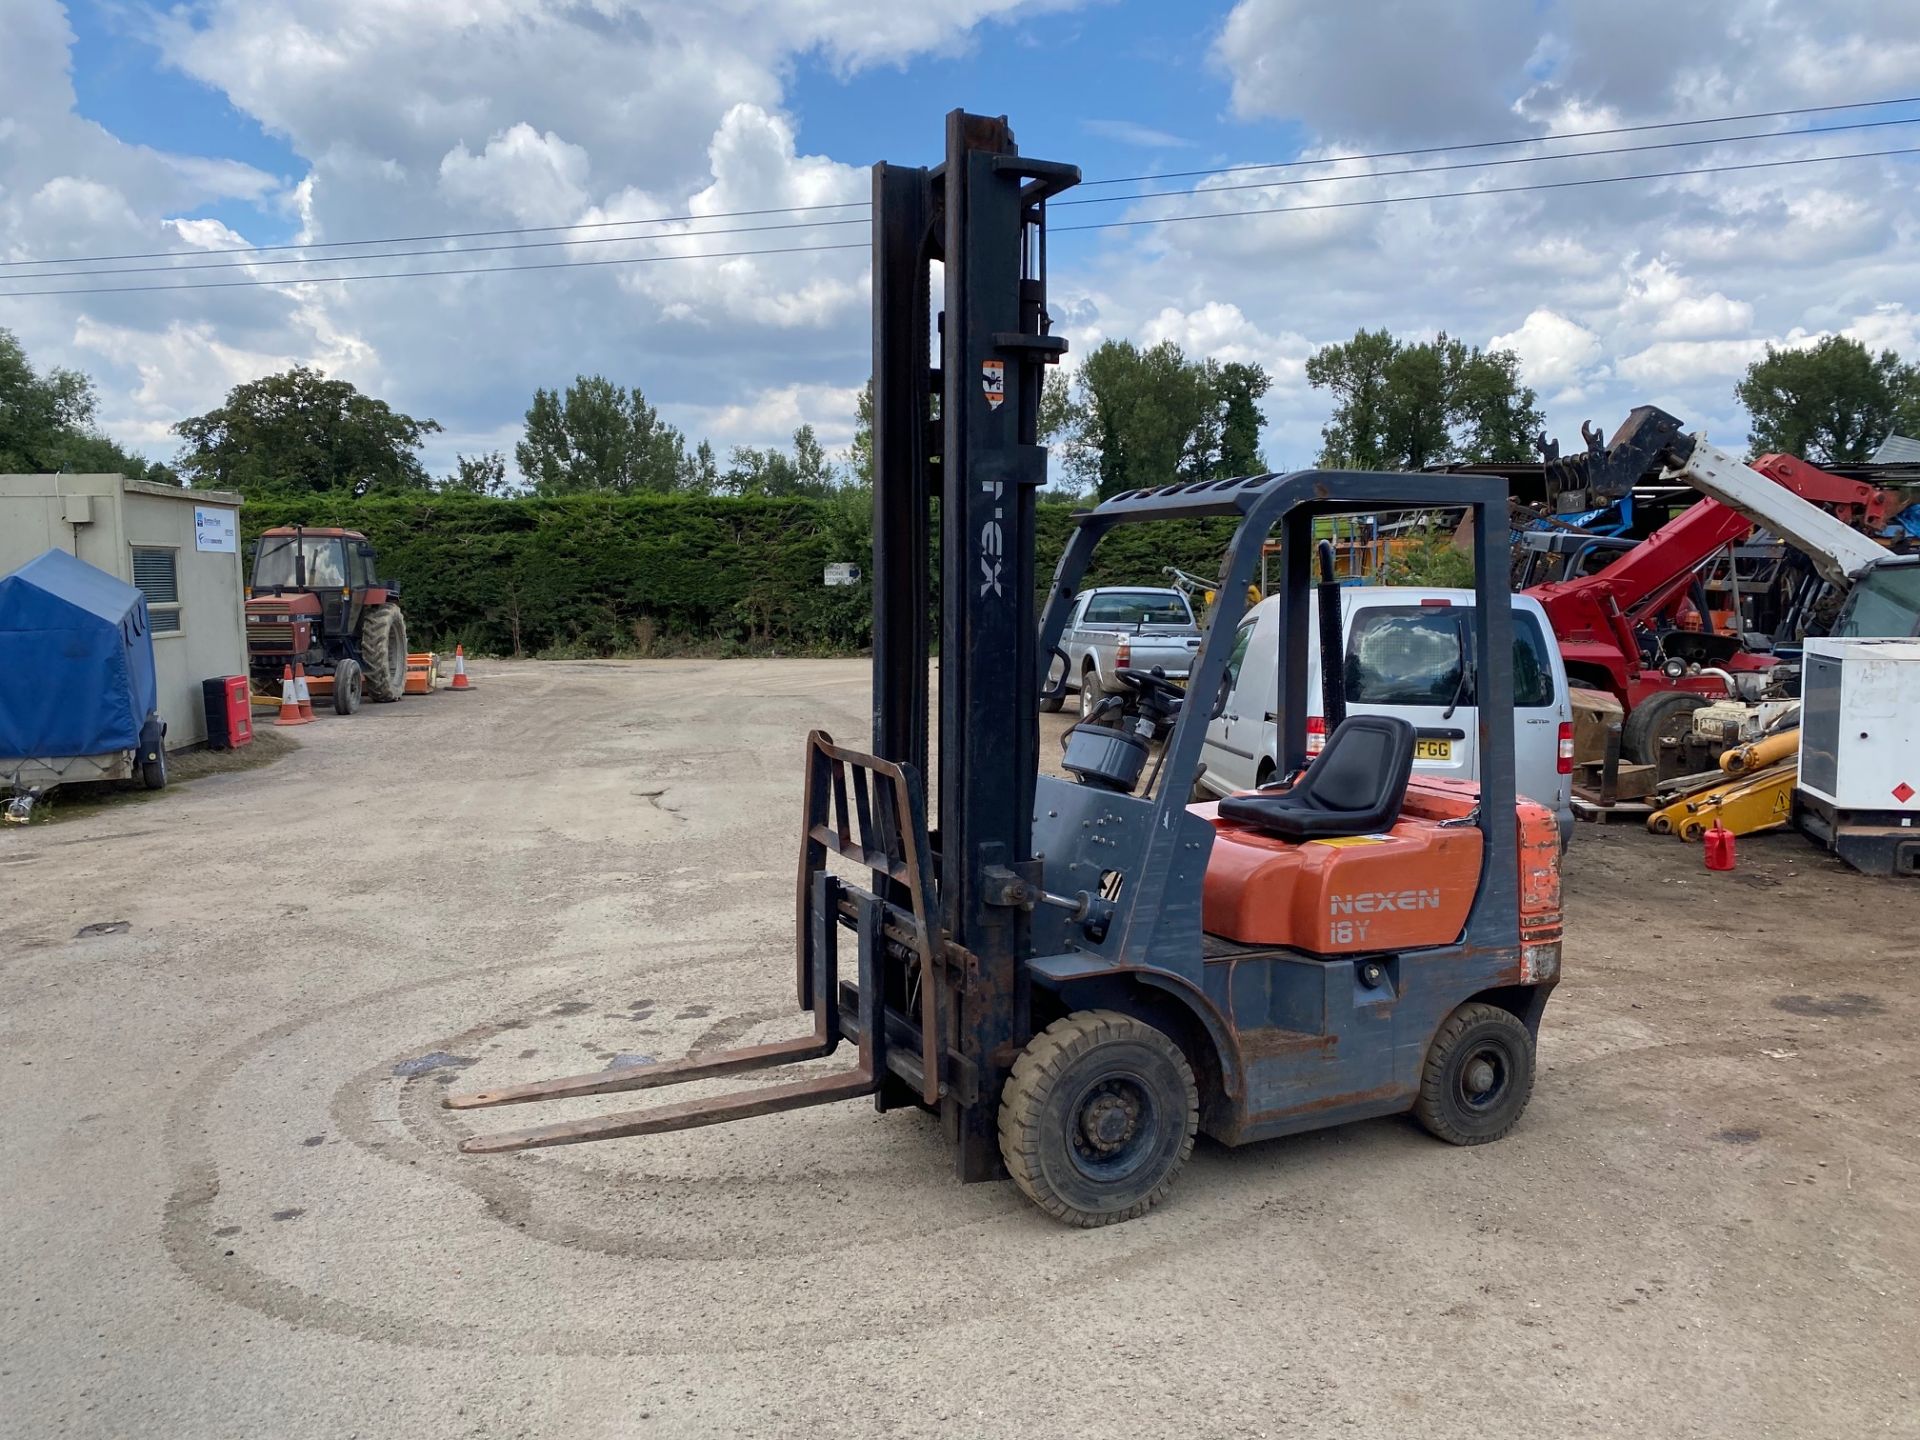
x: 1098, y: 1117
x: 1478, y: 1076
x: 348, y: 685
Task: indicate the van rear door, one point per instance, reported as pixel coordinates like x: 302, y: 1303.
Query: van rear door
x: 1409, y: 658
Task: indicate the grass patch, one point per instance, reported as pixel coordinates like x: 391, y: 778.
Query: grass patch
x: 84, y: 797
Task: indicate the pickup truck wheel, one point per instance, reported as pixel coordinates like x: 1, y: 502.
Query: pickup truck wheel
x: 1053, y: 704
x: 1091, y: 692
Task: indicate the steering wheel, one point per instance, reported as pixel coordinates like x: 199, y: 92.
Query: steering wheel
x: 1152, y: 682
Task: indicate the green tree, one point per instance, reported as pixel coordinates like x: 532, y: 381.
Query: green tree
x: 47, y: 424
x: 1239, y: 388
x: 1403, y: 406
x: 1832, y: 403
x: 774, y: 474
x: 1134, y: 417
x: 299, y: 433
x: 478, y: 475
x: 703, y: 471
x: 600, y: 436
x: 860, y: 453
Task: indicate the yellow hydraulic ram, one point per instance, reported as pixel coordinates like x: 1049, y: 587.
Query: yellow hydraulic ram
x: 1743, y: 805
x: 1759, y: 754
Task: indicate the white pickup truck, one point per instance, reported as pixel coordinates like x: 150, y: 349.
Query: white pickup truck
x: 1114, y: 629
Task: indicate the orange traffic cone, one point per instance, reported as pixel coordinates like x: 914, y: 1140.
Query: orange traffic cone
x: 289, y: 704
x: 300, y: 692
x: 460, y: 681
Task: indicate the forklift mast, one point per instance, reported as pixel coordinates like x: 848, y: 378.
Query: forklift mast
x: 982, y: 216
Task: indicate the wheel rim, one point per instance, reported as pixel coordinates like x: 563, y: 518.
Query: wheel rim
x: 1484, y: 1077
x: 1114, y: 1129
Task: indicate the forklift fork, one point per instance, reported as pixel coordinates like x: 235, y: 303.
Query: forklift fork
x: 885, y: 832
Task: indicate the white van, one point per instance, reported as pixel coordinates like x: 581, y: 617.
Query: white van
x: 1405, y: 651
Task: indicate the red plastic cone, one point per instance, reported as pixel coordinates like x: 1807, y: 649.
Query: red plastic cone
x: 300, y: 693
x: 289, y: 702
x: 460, y: 681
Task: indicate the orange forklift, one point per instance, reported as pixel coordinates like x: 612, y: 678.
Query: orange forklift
x: 1076, y: 976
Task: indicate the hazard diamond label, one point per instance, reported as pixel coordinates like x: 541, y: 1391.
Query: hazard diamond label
x: 1903, y: 792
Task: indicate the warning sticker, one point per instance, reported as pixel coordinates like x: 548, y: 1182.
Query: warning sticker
x: 993, y: 382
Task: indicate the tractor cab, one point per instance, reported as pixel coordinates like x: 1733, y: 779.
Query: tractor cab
x: 315, y: 600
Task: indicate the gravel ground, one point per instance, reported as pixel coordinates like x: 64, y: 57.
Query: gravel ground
x: 234, y: 1208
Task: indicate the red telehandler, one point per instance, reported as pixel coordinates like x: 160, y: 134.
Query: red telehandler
x: 1614, y: 627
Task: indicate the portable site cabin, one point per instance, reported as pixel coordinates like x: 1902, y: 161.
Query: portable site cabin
x: 179, y: 548
x: 77, y: 693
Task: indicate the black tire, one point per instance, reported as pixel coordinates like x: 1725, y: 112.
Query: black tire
x: 1098, y: 1070
x: 1478, y: 1076
x: 1054, y: 704
x: 349, y: 684
x: 1663, y: 713
x: 383, y: 653
x: 1091, y: 692
x: 151, y: 757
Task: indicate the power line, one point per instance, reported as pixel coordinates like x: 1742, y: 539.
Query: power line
x: 418, y: 274
x: 830, y: 224
x: 448, y: 235
x: 1104, y: 225
x: 1466, y: 164
x: 1524, y: 140
x: 1488, y: 190
x: 431, y: 254
x: 861, y: 204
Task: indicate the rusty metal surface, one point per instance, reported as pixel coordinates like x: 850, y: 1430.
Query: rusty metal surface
x: 698, y: 1066
x: 688, y: 1115
x: 873, y: 812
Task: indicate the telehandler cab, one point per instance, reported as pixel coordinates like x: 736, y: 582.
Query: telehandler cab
x: 1076, y: 976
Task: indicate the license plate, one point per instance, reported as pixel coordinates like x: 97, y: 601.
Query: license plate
x: 1433, y: 750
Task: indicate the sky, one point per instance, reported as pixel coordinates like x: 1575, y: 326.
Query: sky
x: 173, y: 132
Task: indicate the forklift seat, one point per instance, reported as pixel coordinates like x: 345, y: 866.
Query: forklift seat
x: 1355, y: 787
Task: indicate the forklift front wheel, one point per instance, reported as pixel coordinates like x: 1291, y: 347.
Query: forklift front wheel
x: 1097, y: 1117
x: 1478, y: 1077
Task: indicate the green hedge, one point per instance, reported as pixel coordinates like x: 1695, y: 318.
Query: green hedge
x: 588, y: 574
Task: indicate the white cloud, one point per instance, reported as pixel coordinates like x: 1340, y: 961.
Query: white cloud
x: 411, y: 119
x: 534, y: 178
x: 1555, y: 352
x: 1127, y: 132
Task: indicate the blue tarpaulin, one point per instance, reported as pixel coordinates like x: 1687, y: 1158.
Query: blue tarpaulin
x: 76, y: 661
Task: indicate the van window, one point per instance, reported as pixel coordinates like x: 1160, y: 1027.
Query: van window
x: 1532, y: 665
x: 1238, y: 656
x: 1137, y: 607
x: 1410, y: 655
x: 1404, y: 655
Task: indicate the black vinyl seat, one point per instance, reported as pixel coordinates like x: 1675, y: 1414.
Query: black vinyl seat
x: 1355, y: 787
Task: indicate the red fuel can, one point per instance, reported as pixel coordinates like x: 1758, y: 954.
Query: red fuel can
x: 1719, y: 842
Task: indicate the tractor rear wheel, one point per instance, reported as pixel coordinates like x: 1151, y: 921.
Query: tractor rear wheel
x: 1098, y: 1117
x: 348, y: 683
x: 383, y: 652
x: 1478, y: 1076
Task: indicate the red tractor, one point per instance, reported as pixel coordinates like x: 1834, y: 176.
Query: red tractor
x: 315, y: 601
